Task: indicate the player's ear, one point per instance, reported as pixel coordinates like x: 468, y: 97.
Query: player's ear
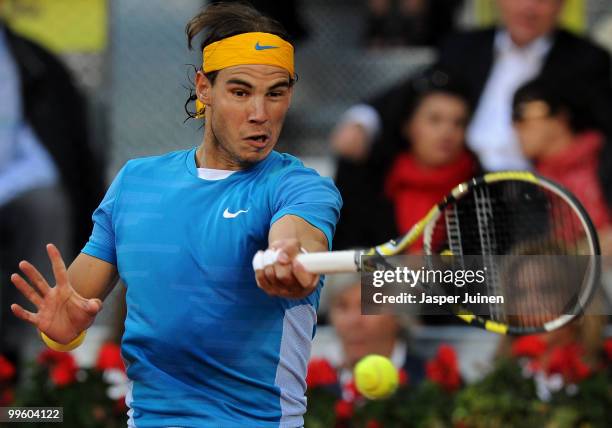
x: 203, y: 88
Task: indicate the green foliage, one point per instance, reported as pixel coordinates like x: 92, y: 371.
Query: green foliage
x: 320, y: 413
x: 504, y: 398
x: 507, y: 397
x: 85, y: 401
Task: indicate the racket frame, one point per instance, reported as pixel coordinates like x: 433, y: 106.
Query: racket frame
x: 351, y: 260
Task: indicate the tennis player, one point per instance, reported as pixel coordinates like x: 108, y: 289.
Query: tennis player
x: 207, y: 341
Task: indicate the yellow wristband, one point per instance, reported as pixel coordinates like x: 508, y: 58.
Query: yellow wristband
x: 60, y: 347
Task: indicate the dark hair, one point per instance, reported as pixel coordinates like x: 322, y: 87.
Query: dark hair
x: 405, y: 101
x: 557, y: 98
x: 434, y: 80
x: 221, y: 20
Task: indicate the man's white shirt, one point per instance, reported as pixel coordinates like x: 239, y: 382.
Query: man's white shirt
x: 490, y: 134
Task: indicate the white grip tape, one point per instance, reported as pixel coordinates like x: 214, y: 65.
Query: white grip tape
x: 323, y: 262
x: 265, y: 258
x: 329, y: 262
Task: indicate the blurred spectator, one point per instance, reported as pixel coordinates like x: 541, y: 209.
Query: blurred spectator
x: 554, y: 133
x: 50, y: 182
x: 494, y: 63
x: 409, y: 22
x: 361, y: 335
x: 287, y: 12
x: 435, y: 159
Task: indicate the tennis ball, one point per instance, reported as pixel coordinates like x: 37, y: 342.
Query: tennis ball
x: 376, y: 377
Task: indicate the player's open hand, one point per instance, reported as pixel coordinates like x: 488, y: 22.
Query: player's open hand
x: 281, y: 274
x: 62, y: 314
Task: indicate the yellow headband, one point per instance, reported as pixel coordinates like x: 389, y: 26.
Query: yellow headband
x: 246, y: 49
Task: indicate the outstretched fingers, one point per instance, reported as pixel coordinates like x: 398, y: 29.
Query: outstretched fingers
x: 35, y: 277
x: 59, y: 268
x: 26, y: 290
x: 24, y: 315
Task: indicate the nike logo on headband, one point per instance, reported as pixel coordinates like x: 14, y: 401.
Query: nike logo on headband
x: 259, y: 47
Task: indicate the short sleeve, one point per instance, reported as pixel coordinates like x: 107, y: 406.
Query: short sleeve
x: 304, y: 193
x: 101, y: 243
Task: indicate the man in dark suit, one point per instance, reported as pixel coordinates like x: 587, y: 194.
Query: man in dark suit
x: 493, y: 63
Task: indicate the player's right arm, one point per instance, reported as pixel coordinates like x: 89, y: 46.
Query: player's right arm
x: 64, y: 311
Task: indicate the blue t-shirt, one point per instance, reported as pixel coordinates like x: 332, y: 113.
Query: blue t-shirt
x: 203, y: 345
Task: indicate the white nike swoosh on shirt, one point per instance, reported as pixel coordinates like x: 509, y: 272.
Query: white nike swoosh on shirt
x: 227, y: 214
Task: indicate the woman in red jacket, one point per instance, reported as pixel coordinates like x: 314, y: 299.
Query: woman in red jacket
x: 436, y: 158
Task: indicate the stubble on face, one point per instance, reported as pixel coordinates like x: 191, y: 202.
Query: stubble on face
x: 244, y: 120
x: 224, y: 151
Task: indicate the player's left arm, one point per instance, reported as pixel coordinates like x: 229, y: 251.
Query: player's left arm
x: 305, y: 208
x: 291, y: 235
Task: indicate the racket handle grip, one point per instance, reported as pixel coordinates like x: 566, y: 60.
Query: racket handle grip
x: 330, y: 262
x: 321, y: 262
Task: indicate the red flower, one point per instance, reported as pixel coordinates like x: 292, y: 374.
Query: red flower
x: 343, y: 409
x: 49, y: 357
x: 373, y: 423
x: 109, y: 357
x: 6, y: 397
x: 64, y: 373
x: 446, y: 355
x: 62, y: 366
x: 320, y: 373
x: 567, y: 361
x: 403, y: 377
x: 528, y: 346
x: 443, y: 369
x: 608, y: 348
x: 7, y: 369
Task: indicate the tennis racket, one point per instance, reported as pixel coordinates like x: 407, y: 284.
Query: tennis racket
x: 501, y: 213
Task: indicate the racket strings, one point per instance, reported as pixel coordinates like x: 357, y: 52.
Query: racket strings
x: 488, y: 243
x: 528, y: 221
x: 453, y: 230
